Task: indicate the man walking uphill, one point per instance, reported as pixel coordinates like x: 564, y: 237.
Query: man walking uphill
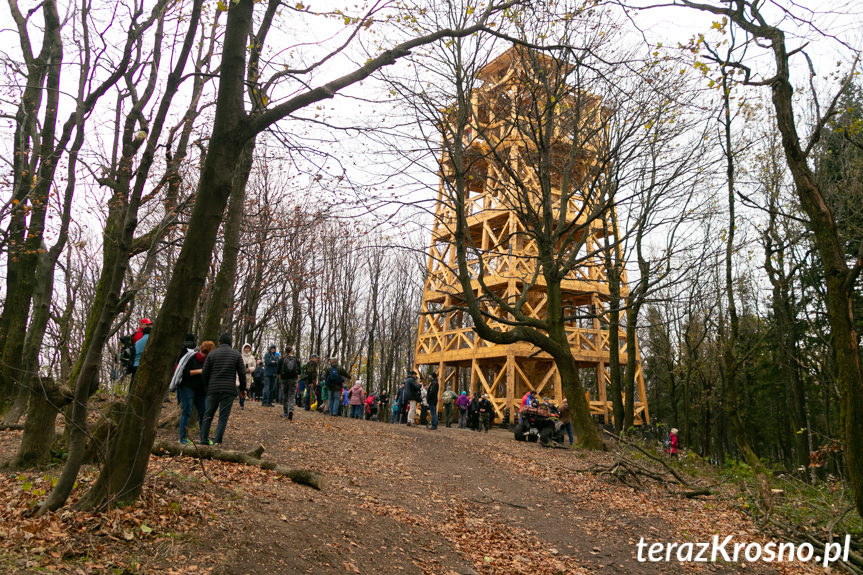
x: 223, y: 366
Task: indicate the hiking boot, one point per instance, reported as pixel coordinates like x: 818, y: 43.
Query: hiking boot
x: 185, y: 441
x: 209, y: 442
x: 290, y: 416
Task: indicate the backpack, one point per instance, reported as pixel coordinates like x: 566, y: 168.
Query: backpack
x: 127, y: 353
x: 334, y: 378
x: 290, y: 367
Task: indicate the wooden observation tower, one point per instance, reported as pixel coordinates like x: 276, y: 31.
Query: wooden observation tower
x: 446, y: 341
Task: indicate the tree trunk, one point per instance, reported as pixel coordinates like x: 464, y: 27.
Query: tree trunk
x: 39, y: 431
x: 614, y: 344
x: 218, y: 318
x: 123, y: 474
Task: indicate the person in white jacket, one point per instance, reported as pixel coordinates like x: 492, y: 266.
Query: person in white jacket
x: 250, y: 362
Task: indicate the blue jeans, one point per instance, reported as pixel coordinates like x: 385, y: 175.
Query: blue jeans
x: 334, y: 402
x: 433, y: 412
x: 357, y: 411
x: 568, y: 427
x: 269, y: 389
x: 223, y: 402
x: 190, y: 398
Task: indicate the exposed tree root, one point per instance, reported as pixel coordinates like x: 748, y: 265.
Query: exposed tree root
x: 301, y: 476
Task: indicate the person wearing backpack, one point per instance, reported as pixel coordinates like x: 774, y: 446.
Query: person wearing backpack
x: 448, y: 399
x: 309, y: 380
x: 335, y: 377
x: 290, y: 372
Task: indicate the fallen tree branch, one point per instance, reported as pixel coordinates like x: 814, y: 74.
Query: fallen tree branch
x: 301, y: 476
x: 11, y: 427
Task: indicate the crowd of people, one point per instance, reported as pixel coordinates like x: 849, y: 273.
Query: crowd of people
x: 209, y: 377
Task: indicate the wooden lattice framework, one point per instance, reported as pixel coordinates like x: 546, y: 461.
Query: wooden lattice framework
x: 446, y: 340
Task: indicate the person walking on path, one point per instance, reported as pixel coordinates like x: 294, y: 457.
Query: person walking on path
x: 463, y: 402
x: 192, y: 392
x: 412, y: 395
x: 220, y: 369
x: 271, y: 372
x: 448, y: 399
x: 356, y: 398
x: 431, y: 397
x: 290, y: 372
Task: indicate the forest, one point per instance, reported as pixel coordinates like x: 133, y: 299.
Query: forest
x: 272, y: 170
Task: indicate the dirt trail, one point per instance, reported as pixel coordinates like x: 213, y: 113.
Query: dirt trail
x: 397, y: 500
x: 410, y: 500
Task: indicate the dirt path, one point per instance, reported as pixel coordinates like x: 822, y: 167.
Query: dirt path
x: 409, y: 500
x: 397, y: 500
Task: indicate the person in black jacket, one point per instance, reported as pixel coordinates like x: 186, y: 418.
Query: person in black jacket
x: 412, y: 395
x: 485, y: 409
x: 431, y: 397
x: 220, y: 372
x: 192, y: 392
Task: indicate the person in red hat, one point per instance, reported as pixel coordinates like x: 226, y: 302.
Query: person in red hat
x: 140, y: 333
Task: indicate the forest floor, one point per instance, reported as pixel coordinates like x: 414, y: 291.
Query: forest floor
x: 396, y: 500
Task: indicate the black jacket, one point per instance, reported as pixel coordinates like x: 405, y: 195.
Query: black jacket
x: 412, y: 389
x: 194, y: 382
x: 432, y: 392
x: 222, y: 368
x: 485, y: 406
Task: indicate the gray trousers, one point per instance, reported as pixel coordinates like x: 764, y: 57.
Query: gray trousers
x: 289, y: 394
x: 462, y: 418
